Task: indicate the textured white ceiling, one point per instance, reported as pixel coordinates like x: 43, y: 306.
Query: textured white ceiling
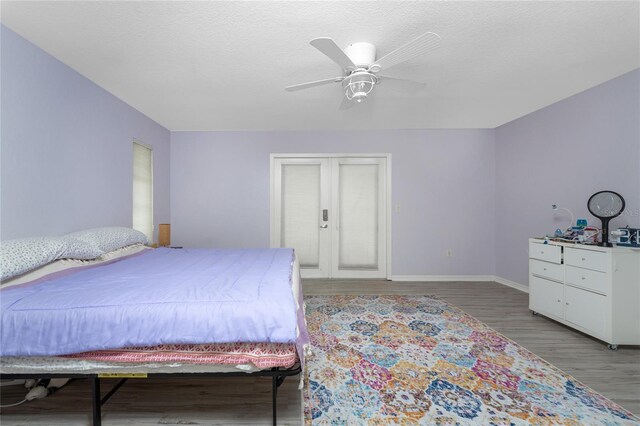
x: 224, y: 65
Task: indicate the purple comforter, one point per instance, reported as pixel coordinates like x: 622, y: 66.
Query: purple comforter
x: 160, y: 297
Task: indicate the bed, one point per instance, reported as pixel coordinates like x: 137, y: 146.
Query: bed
x: 139, y: 312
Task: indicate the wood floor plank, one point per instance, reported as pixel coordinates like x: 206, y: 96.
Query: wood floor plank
x: 247, y: 401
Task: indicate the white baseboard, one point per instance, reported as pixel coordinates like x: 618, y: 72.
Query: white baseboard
x: 448, y: 278
x: 512, y: 284
x: 442, y: 278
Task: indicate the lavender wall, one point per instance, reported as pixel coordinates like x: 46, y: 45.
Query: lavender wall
x: 67, y: 148
x: 66, y: 165
x: 442, y: 183
x: 561, y: 155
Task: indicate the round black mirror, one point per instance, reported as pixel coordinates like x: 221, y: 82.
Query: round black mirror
x: 605, y: 205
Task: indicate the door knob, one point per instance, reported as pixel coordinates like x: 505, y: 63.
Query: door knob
x: 325, y: 226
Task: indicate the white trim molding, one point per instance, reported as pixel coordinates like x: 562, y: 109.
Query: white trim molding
x: 512, y: 284
x: 461, y: 278
x: 442, y: 278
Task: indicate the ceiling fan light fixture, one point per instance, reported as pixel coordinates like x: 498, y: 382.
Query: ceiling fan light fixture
x: 358, y: 85
x: 360, y: 67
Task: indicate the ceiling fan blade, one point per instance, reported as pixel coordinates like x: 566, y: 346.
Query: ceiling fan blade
x: 331, y: 49
x: 313, y: 84
x: 423, y: 44
x: 346, y: 103
x: 400, y: 84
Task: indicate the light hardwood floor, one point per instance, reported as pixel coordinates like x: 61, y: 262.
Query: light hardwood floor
x: 248, y: 401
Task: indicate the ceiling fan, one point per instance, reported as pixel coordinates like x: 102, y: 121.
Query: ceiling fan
x: 361, y: 68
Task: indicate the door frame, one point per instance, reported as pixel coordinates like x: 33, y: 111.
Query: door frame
x: 272, y: 219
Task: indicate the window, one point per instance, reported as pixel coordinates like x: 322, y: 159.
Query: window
x: 143, y: 189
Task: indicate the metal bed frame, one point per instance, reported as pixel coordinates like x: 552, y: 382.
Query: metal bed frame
x: 97, y: 401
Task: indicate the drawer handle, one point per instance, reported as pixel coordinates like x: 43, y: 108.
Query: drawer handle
x: 583, y: 278
x: 583, y: 259
x: 559, y: 301
x: 544, y: 269
x: 567, y: 303
x: 542, y: 252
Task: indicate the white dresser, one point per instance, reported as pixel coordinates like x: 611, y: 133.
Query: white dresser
x: 593, y: 289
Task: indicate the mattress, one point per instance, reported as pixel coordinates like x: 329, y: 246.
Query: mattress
x: 262, y: 355
x: 240, y: 282
x: 163, y: 296
x: 246, y: 357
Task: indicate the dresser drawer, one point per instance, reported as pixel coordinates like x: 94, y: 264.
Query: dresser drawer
x: 596, y: 260
x: 545, y: 252
x: 552, y: 271
x: 586, y: 278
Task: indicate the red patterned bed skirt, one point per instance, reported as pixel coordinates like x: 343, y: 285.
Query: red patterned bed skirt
x: 262, y: 355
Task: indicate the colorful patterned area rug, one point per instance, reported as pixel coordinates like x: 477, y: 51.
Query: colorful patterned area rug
x: 417, y: 360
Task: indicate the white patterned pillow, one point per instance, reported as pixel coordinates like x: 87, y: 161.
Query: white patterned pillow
x: 25, y: 254
x: 110, y: 238
x: 79, y: 249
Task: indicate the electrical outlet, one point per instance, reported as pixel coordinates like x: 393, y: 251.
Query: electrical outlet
x: 449, y: 252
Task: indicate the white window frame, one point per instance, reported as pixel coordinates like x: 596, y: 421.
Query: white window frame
x: 150, y: 148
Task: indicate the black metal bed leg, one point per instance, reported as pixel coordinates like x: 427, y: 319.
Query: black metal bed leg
x: 274, y: 394
x: 275, y: 384
x: 95, y: 401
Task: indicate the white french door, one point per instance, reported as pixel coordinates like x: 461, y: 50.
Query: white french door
x: 300, y: 194
x: 333, y: 212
